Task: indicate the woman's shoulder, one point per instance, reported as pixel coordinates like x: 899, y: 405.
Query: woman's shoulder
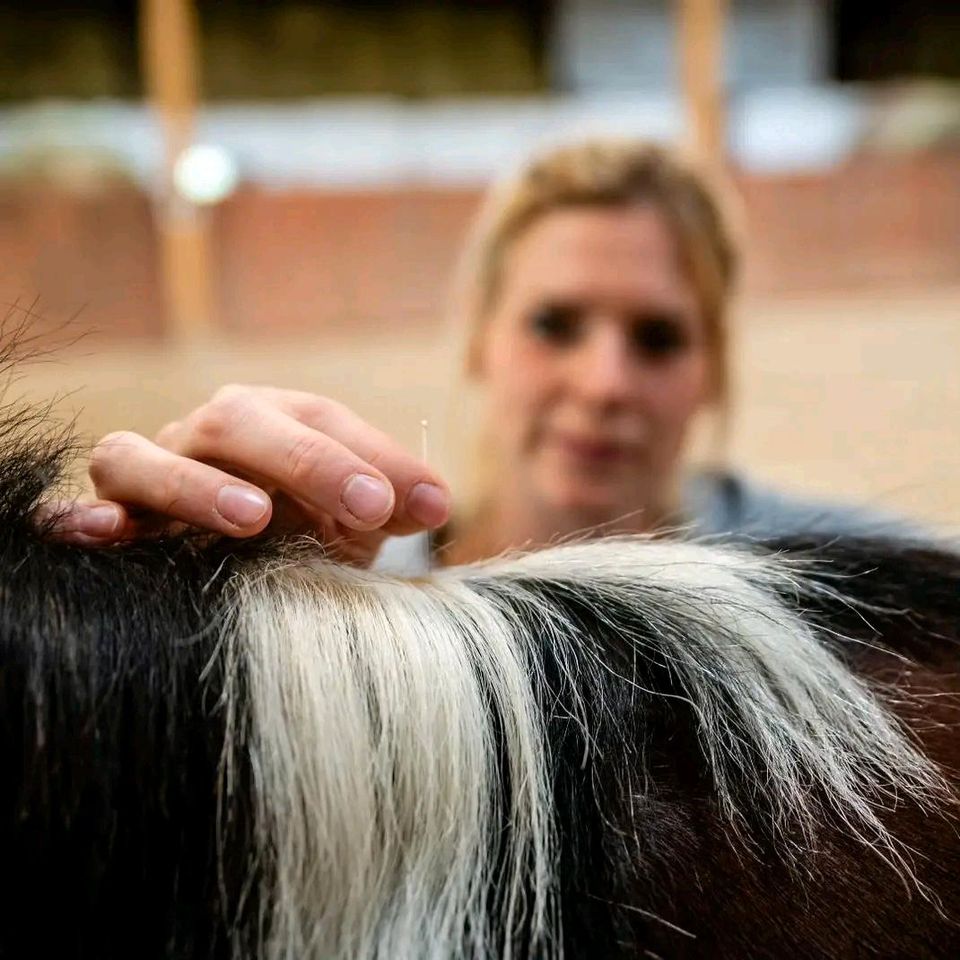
x: 725, y: 502
x: 404, y: 556
x: 719, y: 503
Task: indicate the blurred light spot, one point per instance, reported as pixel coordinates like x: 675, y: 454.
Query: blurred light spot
x: 205, y: 174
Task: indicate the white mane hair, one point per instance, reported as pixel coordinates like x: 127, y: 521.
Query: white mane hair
x: 397, y: 729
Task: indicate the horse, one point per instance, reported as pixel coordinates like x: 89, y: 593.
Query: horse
x: 620, y: 748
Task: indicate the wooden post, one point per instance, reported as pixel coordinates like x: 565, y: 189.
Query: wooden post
x: 168, y: 41
x: 701, y: 26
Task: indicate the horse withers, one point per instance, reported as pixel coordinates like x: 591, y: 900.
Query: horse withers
x: 619, y: 748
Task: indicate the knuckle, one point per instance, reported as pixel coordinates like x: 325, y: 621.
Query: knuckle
x: 224, y: 412
x: 175, y: 488
x: 118, y: 438
x: 107, y: 450
x: 229, y: 392
x: 168, y: 433
x: 303, y: 460
x: 330, y: 407
x: 319, y: 409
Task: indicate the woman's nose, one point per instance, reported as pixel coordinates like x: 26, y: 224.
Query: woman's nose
x: 604, y: 369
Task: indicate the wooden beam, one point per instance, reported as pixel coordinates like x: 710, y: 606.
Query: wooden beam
x: 168, y: 43
x: 700, y: 34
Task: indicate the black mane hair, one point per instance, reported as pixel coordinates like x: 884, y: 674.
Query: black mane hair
x: 112, y: 736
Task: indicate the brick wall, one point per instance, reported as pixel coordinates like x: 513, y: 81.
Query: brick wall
x: 288, y: 263
x: 874, y: 222
x: 94, y: 253
x: 302, y: 261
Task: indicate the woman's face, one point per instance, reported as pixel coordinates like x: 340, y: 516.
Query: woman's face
x: 596, y: 359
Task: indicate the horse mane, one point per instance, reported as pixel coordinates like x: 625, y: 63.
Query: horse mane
x: 622, y: 748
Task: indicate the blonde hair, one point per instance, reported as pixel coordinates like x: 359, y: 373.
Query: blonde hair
x: 610, y: 173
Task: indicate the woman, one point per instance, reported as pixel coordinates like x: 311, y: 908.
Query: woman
x: 597, y: 291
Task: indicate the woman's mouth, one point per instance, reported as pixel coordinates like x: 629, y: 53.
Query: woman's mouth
x: 592, y: 452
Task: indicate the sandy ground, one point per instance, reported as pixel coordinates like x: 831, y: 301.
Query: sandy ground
x: 854, y: 396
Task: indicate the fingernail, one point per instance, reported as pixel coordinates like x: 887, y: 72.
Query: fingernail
x: 428, y: 504
x: 241, y: 505
x: 367, y: 498
x: 96, y: 521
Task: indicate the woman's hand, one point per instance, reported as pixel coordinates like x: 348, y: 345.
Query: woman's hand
x: 255, y: 459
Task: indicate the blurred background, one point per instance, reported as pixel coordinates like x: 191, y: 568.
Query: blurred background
x: 276, y: 191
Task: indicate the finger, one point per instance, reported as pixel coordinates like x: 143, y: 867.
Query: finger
x: 95, y: 522
x: 422, y: 496
x: 242, y: 428
x: 256, y: 438
x: 128, y: 468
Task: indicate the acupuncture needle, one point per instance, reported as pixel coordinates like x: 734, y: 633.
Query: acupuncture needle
x: 428, y: 539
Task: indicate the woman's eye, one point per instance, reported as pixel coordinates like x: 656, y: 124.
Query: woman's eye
x: 555, y: 324
x: 657, y: 338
